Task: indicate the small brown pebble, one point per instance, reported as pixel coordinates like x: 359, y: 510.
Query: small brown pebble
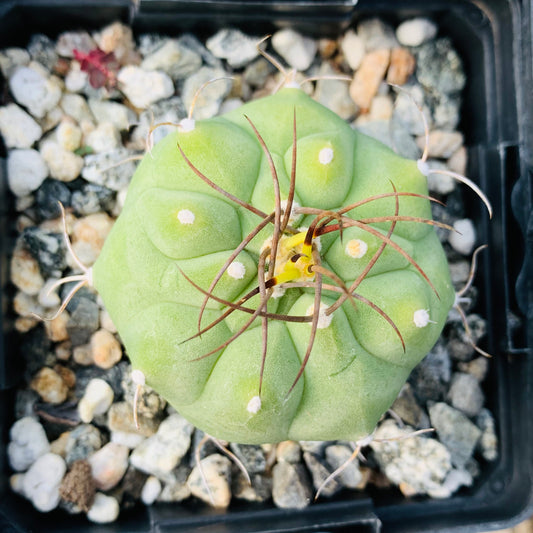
x: 327, y: 47
x: 67, y: 375
x: 50, y: 386
x: 83, y: 355
x: 106, y: 350
x: 56, y: 329
x: 63, y: 350
x: 120, y: 418
x: 458, y: 161
x: 59, y: 446
x: 368, y: 77
x: 23, y: 324
x: 25, y: 273
x: 78, y: 485
x: 402, y: 65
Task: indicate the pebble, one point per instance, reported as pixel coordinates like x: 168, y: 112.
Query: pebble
x: 406, y: 109
x: 104, y: 138
x: 76, y: 107
x: 216, y: 470
x: 78, y: 485
x: 174, y: 58
x: 104, y: 510
x: 56, y: 329
x: 88, y: 237
x: 439, y: 67
x: 144, y: 87
x: 210, y: 98
x: 455, y: 479
x: 416, y: 31
x: 465, y: 394
x: 34, y: 91
x: 111, y: 169
x: 47, y: 197
x: 117, y: 38
x: 441, y: 144
x: 119, y: 115
x: 234, y: 46
x: 259, y: 491
x: 69, y: 41
x: 431, y: 377
x: 337, y: 455
x: 82, y: 442
x: 291, y: 488
x: 26, y: 306
x: 377, y: 35
x: 91, y: 199
x: 18, y: 129
x: 160, y: 453
x: 48, y: 248
x: 28, y: 442
x: 251, y: 456
x: 446, y: 112
x: 26, y: 171
x: 41, y: 482
x: 83, y: 321
x: 58, y: 446
x: 402, y: 65
x: 120, y: 419
x: 288, y: 451
x: 477, y: 368
x: 488, y: 443
x: 368, y: 77
x: 68, y: 135
x: 319, y: 473
x: 353, y: 48
x: 97, y: 400
x: 458, y: 161
x: 64, y: 165
x: 151, y: 490
x: 11, y: 59
x: 334, y: 94
x: 130, y: 440
x: 463, y: 239
x: 455, y: 431
x: 42, y: 50
x: 440, y: 183
x: 257, y: 72
x: 149, y: 403
x: 418, y: 465
x: 298, y: 51
x: 408, y: 409
x: 76, y: 79
x: 50, y: 386
x: 108, y: 465
x: 177, y: 490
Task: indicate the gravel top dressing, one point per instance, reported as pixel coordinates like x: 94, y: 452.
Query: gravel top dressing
x: 76, y: 116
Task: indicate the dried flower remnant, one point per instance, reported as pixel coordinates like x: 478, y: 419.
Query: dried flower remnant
x: 101, y: 67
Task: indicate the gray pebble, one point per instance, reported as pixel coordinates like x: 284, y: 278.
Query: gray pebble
x: 213, y: 486
x: 298, y: 51
x: 455, y: 479
x: 291, y: 487
x: 477, y: 368
x: 406, y: 109
x: 334, y: 94
x: 234, y: 46
x: 251, y: 456
x: 48, y: 248
x: 174, y: 58
x: 407, y: 408
x: 144, y: 87
x: 11, y: 59
x: 92, y: 198
x: 83, y: 321
x: 376, y: 34
x: 259, y: 491
x: 337, y: 456
x: 119, y: 115
x: 26, y: 170
x: 465, y: 394
x: 319, y: 473
x: 463, y: 239
x: 82, y: 442
x: 109, y: 169
x: 18, y: 129
x: 159, y: 454
x: 455, y: 431
x: 191, y: 41
x: 257, y: 72
x: 27, y: 443
x: 42, y: 50
x: 69, y: 41
x: 431, y: 377
x: 488, y: 443
x: 177, y: 490
x: 288, y: 451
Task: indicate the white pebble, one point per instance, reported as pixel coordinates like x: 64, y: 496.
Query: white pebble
x: 41, y: 482
x: 76, y: 79
x: 356, y: 248
x: 97, y: 399
x: 236, y: 270
x: 26, y: 170
x: 68, y: 135
x: 323, y: 320
x: 254, y: 405
x: 130, y: 440
x: 185, y: 216
x: 28, y: 443
x: 105, y: 509
x: 464, y: 238
x: 119, y: 115
x: 142, y: 87
x: 34, y: 91
x: 325, y: 156
x: 103, y: 138
x: 109, y: 464
x: 415, y: 31
x: 297, y: 50
x: 151, y: 490
x: 63, y: 164
x: 18, y: 129
x: 353, y: 48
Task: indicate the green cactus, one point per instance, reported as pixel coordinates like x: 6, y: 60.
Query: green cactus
x: 333, y: 322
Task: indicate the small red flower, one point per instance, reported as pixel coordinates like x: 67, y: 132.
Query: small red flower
x: 101, y: 67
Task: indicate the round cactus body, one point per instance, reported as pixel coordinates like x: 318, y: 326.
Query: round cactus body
x: 176, y: 232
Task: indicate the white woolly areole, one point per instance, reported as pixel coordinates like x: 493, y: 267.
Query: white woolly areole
x: 236, y: 270
x: 356, y: 248
x: 187, y: 124
x: 421, y: 318
x: 138, y: 377
x: 323, y: 320
x: 423, y: 167
x: 325, y: 156
x: 185, y: 216
x: 295, y: 205
x: 254, y: 405
x: 277, y: 291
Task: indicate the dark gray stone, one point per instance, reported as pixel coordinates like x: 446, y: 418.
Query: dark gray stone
x: 465, y: 394
x: 47, y: 197
x: 320, y: 472
x: 42, y: 49
x: 82, y: 442
x: 48, y: 248
x: 431, y: 377
x: 92, y: 198
x: 251, y: 456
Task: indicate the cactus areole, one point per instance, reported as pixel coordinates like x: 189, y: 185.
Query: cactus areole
x: 254, y: 327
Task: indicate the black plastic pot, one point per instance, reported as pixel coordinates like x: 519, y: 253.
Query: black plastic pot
x: 494, y: 39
